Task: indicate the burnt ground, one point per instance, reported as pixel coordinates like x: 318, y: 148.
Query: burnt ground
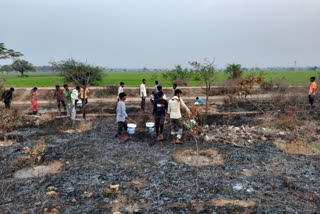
x: 264, y: 178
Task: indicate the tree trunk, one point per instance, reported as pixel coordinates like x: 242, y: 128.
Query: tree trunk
x: 22, y: 73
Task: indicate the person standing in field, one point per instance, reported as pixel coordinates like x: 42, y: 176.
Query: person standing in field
x: 174, y: 114
x: 67, y: 94
x: 58, y: 94
x: 143, y: 94
x: 34, y: 100
x: 74, y: 97
x: 156, y: 95
x: 84, y: 95
x: 7, y: 97
x: 159, y: 113
x: 312, y: 91
x: 174, y: 87
x: 156, y: 86
x: 121, y: 118
x: 120, y: 89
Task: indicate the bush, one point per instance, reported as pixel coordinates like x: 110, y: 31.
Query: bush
x: 267, y: 86
x: 178, y: 74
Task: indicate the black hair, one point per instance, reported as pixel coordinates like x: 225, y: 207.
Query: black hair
x: 156, y: 82
x: 78, y: 87
x: 57, y: 86
x: 160, y: 94
x: 122, y: 95
x: 65, y: 85
x: 313, y: 78
x: 35, y: 88
x: 143, y: 80
x: 121, y: 83
x: 197, y: 98
x: 177, y: 91
x: 174, y: 84
x: 12, y: 89
x: 159, y: 87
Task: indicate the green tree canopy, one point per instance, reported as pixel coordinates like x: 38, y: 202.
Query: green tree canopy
x: 6, y: 68
x: 22, y: 66
x: 234, y: 70
x: 8, y: 53
x: 79, y: 73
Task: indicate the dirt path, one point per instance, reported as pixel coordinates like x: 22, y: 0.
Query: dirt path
x: 137, y: 99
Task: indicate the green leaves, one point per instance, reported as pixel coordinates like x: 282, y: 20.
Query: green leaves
x: 8, y: 53
x: 79, y: 73
x: 22, y: 66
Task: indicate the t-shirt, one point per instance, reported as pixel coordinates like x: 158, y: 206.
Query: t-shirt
x: 156, y: 88
x: 313, y: 86
x: 74, y: 96
x: 174, y: 107
x: 59, y: 94
x: 143, y: 91
x: 200, y: 101
x: 120, y: 90
x: 121, y: 111
x: 160, y: 107
x: 85, y: 94
x: 7, y: 95
x: 67, y: 95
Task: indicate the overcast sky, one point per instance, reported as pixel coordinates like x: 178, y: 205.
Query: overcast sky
x: 163, y: 33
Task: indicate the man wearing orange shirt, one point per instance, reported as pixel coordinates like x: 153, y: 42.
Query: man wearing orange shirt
x: 312, y: 91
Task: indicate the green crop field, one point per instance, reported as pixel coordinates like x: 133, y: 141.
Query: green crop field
x: 41, y: 79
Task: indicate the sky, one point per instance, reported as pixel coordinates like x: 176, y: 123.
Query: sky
x: 163, y: 33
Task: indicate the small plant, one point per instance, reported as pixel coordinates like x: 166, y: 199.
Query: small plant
x: 34, y: 153
x: 288, y: 120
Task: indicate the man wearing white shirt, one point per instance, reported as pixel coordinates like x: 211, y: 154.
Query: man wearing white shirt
x: 74, y: 97
x: 120, y: 89
x: 143, y: 93
x: 156, y: 86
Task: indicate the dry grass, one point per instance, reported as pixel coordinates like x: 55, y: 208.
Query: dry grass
x: 224, y: 202
x: 81, y: 127
x: 298, y: 146
x: 7, y: 143
x: 204, y: 158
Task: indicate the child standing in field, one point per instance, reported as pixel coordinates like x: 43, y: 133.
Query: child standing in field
x: 58, y: 94
x: 312, y: 91
x: 121, y: 117
x: 120, y: 89
x: 174, y: 113
x: 67, y: 94
x: 159, y: 114
x: 34, y: 100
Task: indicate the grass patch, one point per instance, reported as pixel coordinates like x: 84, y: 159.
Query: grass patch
x: 41, y: 79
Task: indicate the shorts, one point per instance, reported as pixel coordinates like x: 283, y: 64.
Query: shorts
x: 59, y: 102
x: 85, y: 100
x: 121, y: 126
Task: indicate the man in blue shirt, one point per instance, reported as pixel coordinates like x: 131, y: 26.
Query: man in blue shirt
x: 159, y: 114
x: 200, y: 101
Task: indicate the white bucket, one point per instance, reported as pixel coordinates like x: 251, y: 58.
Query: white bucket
x: 131, y: 128
x: 150, y: 127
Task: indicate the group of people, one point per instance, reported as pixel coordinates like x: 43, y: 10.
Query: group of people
x: 163, y: 110
x: 67, y: 98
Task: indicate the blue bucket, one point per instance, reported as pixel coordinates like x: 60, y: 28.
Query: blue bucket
x: 150, y: 127
x: 131, y: 128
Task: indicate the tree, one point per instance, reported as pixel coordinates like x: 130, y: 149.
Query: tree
x: 8, y: 53
x: 6, y: 68
x: 234, y: 70
x: 178, y: 75
x: 22, y: 66
x: 208, y: 76
x: 80, y: 74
